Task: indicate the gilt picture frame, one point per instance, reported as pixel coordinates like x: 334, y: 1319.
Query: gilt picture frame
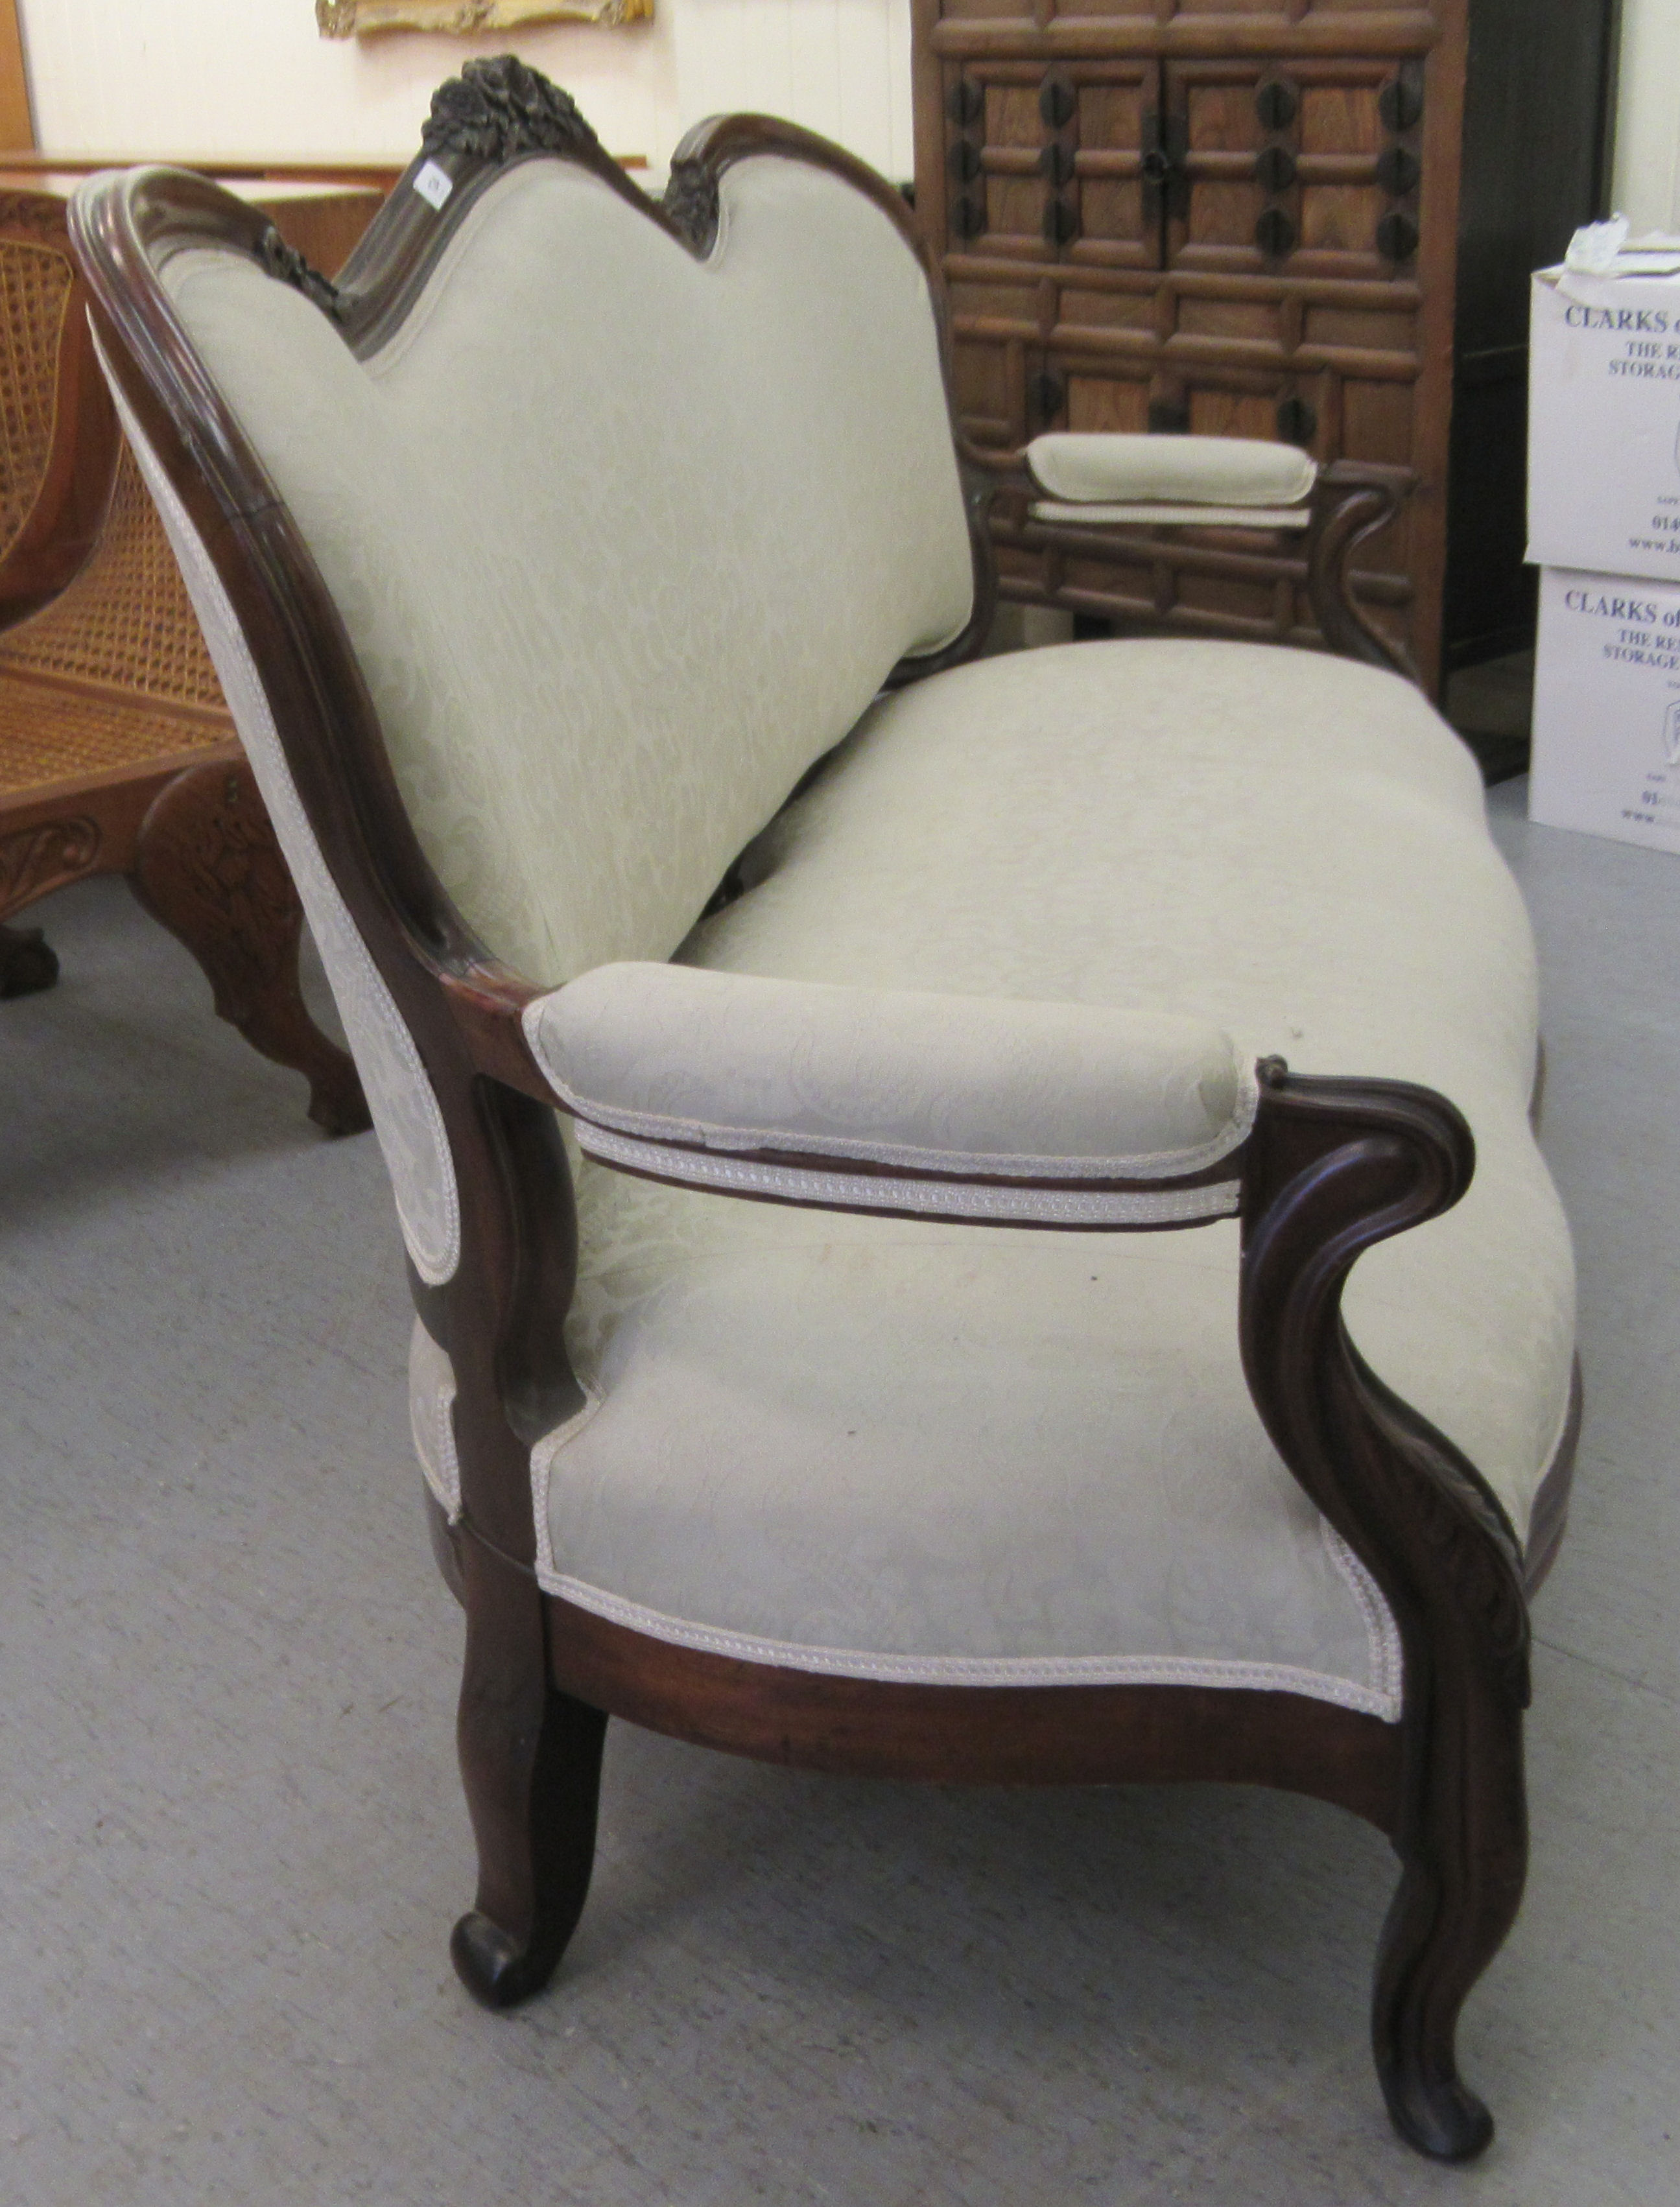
x: 349, y: 18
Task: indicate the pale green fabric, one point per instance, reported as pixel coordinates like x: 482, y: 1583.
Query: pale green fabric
x: 1107, y: 466
x: 927, y: 1446
x: 607, y: 619
x: 730, y: 1062
x: 623, y: 541
x: 400, y: 1101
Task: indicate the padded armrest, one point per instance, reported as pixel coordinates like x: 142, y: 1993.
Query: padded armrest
x: 1100, y: 469
x: 889, y: 1099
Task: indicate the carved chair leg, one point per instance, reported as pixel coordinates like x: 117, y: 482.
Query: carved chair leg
x: 208, y: 868
x: 1464, y: 1850
x: 1335, y: 1167
x: 530, y: 1762
x: 26, y: 961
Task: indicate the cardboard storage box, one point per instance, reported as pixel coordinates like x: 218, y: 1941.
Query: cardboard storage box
x: 1604, y: 423
x: 1607, y: 707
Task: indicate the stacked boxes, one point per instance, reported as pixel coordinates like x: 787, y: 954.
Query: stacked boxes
x: 1604, y: 525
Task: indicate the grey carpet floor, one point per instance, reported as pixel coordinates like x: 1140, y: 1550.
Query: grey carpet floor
x: 232, y: 1844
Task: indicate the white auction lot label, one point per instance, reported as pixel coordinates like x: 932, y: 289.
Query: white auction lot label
x: 1607, y: 707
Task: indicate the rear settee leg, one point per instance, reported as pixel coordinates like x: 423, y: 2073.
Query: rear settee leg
x: 530, y: 1763
x: 1463, y: 1845
x: 208, y: 868
x: 26, y: 961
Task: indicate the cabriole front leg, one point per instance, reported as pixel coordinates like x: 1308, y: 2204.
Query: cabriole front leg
x: 1463, y: 1846
x: 1333, y: 1167
x: 530, y: 1763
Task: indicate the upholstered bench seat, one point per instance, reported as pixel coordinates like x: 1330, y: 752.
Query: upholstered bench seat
x: 1126, y: 1040
x: 911, y: 1450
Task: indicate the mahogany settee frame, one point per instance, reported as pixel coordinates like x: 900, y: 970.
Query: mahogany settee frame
x: 1331, y: 1168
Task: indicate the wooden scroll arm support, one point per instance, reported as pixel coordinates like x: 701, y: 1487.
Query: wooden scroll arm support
x: 488, y: 1001
x: 1351, y: 502
x: 1333, y: 1167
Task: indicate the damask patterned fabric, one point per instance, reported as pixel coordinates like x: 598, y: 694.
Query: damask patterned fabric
x: 1105, y: 467
x: 895, y: 1077
x: 608, y: 621
x: 407, y: 1121
x: 911, y: 1450
x: 623, y: 541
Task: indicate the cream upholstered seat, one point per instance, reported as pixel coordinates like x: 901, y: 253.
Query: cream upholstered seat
x: 559, y: 571
x: 942, y: 1453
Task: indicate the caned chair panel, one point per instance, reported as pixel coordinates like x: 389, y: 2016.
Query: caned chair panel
x: 118, y: 752
x: 114, y: 672
x: 35, y: 286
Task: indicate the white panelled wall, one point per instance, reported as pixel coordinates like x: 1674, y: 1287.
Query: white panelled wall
x: 1648, y: 124
x: 200, y: 77
x: 842, y: 66
x: 245, y: 77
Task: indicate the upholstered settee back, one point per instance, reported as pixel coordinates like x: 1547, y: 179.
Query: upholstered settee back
x: 623, y: 541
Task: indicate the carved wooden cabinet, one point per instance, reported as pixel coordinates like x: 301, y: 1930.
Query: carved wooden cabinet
x: 1276, y: 219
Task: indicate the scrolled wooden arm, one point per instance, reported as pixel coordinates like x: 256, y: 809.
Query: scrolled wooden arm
x: 488, y: 1001
x: 1352, y: 500
x: 987, y: 471
x: 1333, y: 1167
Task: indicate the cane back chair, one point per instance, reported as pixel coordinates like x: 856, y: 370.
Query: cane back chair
x: 924, y: 1353
x: 118, y: 753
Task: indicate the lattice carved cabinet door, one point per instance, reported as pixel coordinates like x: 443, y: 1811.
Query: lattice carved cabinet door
x: 1174, y: 217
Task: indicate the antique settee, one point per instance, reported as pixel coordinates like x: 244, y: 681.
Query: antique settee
x: 930, y: 1348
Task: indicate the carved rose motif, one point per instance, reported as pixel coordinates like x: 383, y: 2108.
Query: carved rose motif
x: 496, y: 108
x: 287, y: 265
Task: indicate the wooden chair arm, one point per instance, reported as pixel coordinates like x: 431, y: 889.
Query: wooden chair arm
x: 1352, y: 500
x: 487, y: 1001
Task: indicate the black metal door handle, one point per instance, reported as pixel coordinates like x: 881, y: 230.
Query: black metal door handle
x: 1276, y: 169
x: 1056, y: 102
x: 1047, y: 393
x: 1062, y: 223
x: 1165, y: 143
x: 1276, y: 102
x: 1396, y: 238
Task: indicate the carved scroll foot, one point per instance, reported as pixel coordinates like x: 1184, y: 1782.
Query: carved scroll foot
x: 208, y: 868
x: 530, y: 1762
x: 1414, y: 2017
x: 1465, y: 1852
x: 26, y: 961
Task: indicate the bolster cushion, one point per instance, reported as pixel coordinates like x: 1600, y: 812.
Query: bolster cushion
x: 1094, y: 467
x: 896, y: 1079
